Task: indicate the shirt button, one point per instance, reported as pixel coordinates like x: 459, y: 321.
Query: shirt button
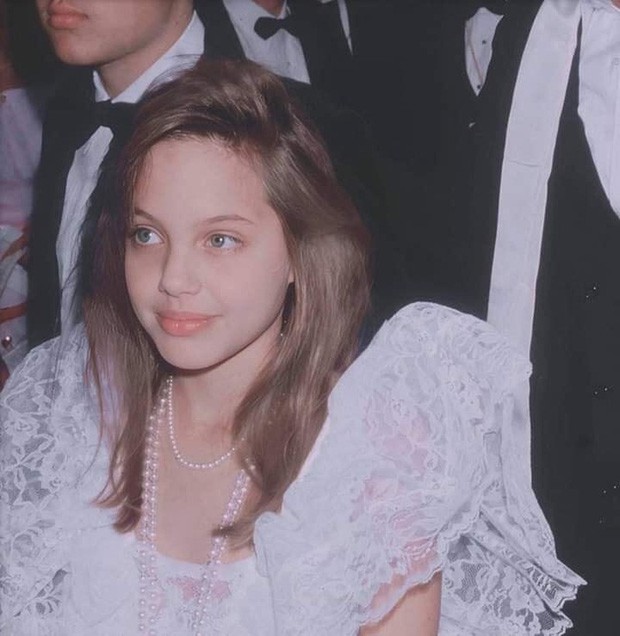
x: 601, y: 391
x: 592, y: 292
x: 7, y: 342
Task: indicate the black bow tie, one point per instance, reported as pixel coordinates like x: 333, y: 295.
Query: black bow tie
x: 118, y: 117
x: 83, y: 118
x: 266, y: 27
x: 115, y: 116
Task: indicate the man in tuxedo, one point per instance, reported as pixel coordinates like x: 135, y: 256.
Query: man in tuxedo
x: 401, y: 64
x: 304, y: 41
x: 541, y: 260
x: 114, y: 57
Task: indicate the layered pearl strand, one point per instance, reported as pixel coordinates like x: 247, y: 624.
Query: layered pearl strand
x: 173, y: 440
x: 147, y: 553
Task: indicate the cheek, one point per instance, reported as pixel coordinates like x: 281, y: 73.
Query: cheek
x: 81, y: 47
x: 142, y: 25
x: 42, y: 8
x: 139, y: 279
x: 103, y: 37
x: 249, y: 292
x: 265, y: 285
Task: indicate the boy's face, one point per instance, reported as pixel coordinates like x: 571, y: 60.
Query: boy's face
x: 100, y: 32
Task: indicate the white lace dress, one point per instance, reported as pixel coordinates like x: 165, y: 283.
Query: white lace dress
x: 423, y: 465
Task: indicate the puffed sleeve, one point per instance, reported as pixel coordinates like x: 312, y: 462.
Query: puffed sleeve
x: 422, y: 466
x: 46, y: 450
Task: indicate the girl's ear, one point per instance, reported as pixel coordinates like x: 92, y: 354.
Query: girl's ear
x: 291, y: 272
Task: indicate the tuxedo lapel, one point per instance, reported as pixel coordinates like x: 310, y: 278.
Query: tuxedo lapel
x: 326, y: 50
x: 62, y: 134
x: 221, y: 40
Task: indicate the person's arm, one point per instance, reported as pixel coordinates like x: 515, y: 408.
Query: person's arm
x: 417, y: 613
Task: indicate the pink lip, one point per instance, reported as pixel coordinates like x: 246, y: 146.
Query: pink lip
x: 181, y: 323
x: 64, y: 17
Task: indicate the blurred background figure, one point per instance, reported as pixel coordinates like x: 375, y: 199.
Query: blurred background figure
x: 305, y: 41
x: 26, y: 66
x: 400, y: 63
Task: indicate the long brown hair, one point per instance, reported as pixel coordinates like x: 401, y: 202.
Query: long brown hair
x: 250, y: 111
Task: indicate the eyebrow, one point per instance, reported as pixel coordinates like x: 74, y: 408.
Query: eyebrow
x: 207, y: 221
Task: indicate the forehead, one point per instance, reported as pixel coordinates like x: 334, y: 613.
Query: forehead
x: 200, y: 177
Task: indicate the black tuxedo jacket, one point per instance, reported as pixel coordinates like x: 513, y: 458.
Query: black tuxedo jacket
x: 345, y: 134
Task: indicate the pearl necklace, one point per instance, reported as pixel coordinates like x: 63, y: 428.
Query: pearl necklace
x: 147, y: 553
x: 173, y: 440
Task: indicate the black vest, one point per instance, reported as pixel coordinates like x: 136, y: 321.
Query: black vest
x: 575, y: 400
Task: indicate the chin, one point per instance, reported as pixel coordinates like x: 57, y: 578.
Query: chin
x: 70, y: 52
x: 185, y: 355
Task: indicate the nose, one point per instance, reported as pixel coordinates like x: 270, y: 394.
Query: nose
x: 179, y: 274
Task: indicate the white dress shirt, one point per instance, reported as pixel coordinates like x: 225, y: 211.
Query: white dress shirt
x: 537, y: 104
x: 282, y: 52
x: 84, y: 171
x: 479, y: 33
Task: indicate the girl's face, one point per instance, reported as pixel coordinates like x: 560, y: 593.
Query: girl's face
x: 206, y: 263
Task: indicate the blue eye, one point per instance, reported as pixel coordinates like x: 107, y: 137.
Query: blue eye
x: 223, y: 241
x: 145, y: 236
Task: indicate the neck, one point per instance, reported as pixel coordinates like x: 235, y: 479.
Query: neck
x: 274, y: 6
x: 117, y: 75
x: 207, y: 400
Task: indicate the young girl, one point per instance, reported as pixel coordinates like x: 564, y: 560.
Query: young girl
x: 205, y: 458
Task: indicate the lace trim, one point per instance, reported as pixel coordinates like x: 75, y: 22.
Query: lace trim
x: 414, y: 479
x: 45, y: 453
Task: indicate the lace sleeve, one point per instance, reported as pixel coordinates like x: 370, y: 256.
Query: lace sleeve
x: 46, y: 447
x: 423, y: 466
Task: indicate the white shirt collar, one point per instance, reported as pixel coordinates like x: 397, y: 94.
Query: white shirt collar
x: 183, y: 54
x: 244, y: 13
x: 605, y: 5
